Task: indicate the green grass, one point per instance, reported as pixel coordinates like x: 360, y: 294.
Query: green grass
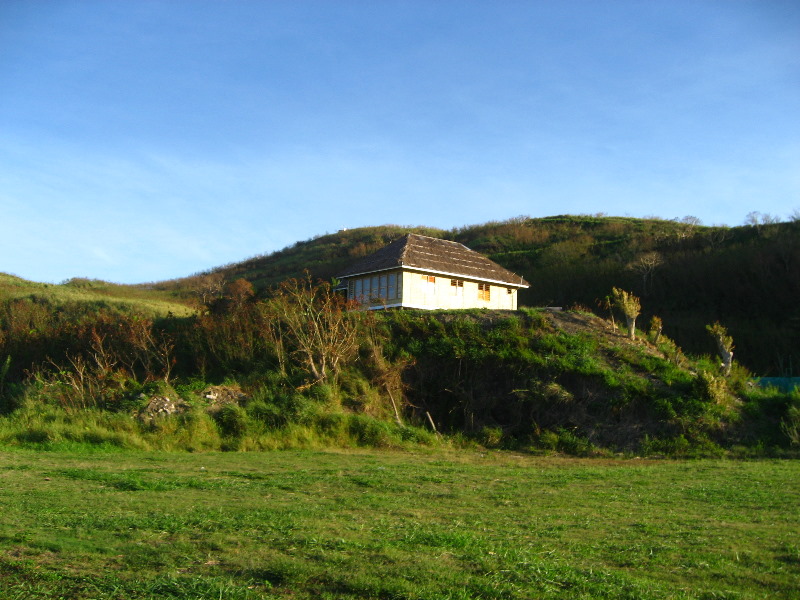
x: 303, y: 524
x: 141, y: 298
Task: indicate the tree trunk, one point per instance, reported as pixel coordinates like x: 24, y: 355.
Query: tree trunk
x: 727, y: 358
x: 631, y: 321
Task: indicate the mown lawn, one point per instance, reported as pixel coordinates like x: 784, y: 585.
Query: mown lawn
x: 301, y: 524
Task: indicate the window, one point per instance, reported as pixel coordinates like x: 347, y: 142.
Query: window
x: 382, y: 292
x: 376, y: 289
x: 483, y: 291
x: 427, y: 287
x: 509, y: 291
x: 457, y: 287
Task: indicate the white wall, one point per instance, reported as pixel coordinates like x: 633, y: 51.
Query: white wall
x: 419, y: 292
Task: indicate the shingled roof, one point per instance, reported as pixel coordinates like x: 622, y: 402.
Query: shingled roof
x: 423, y: 253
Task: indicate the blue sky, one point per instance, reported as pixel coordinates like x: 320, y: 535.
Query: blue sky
x: 146, y: 140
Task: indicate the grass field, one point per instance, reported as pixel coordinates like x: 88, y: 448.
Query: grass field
x: 148, y: 301
x: 394, y: 525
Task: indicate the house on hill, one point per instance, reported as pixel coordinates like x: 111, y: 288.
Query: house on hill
x: 417, y: 271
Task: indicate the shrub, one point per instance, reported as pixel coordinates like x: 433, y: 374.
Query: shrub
x: 491, y: 437
x: 711, y: 388
x: 576, y: 445
x: 367, y: 431
x: 233, y: 420
x: 790, y: 424
x: 267, y: 413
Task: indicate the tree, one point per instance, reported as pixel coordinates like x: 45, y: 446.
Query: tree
x: 318, y: 325
x: 607, y: 303
x: 718, y: 235
x: 686, y: 226
x: 209, y: 287
x: 645, y: 265
x: 724, y: 345
x: 237, y: 293
x: 656, y: 327
x: 758, y: 220
x: 630, y: 307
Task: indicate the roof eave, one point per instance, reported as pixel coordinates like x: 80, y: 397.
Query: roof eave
x: 523, y: 285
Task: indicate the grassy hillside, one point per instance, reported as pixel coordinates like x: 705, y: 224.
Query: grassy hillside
x: 79, y: 361
x: 97, y: 293
x: 748, y: 277
x: 299, y: 370
x: 322, y: 256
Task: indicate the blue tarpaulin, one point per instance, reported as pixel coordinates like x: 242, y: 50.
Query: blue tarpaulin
x: 785, y: 384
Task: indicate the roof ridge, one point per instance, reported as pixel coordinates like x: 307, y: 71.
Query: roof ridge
x: 430, y: 237
x: 402, y: 257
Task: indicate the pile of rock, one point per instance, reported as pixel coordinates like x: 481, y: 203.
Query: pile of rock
x: 160, y: 406
x: 216, y: 396
x: 219, y: 396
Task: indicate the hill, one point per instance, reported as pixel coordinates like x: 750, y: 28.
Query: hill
x: 91, y: 293
x: 571, y: 381
x: 748, y: 277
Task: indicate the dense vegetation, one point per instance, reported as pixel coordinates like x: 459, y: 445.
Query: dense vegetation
x: 747, y: 277
x: 300, y: 368
x: 466, y: 525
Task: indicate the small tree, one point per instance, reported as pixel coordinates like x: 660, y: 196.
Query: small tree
x: 208, y: 287
x: 630, y: 307
x: 656, y: 327
x: 724, y: 345
x: 645, y: 265
x: 318, y: 325
x: 607, y: 303
x: 237, y: 293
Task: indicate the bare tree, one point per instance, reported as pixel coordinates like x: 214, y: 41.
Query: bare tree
x: 208, y: 287
x: 607, y: 303
x: 321, y: 328
x: 237, y: 293
x: 691, y: 220
x: 645, y: 265
x: 687, y: 226
x: 717, y: 235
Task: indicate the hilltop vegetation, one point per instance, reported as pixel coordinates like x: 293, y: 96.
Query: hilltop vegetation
x: 84, y: 361
x: 300, y: 369
x: 88, y: 294
x: 689, y: 275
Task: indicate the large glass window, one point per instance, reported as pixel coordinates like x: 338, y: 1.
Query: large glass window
x: 382, y: 292
x: 377, y: 288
